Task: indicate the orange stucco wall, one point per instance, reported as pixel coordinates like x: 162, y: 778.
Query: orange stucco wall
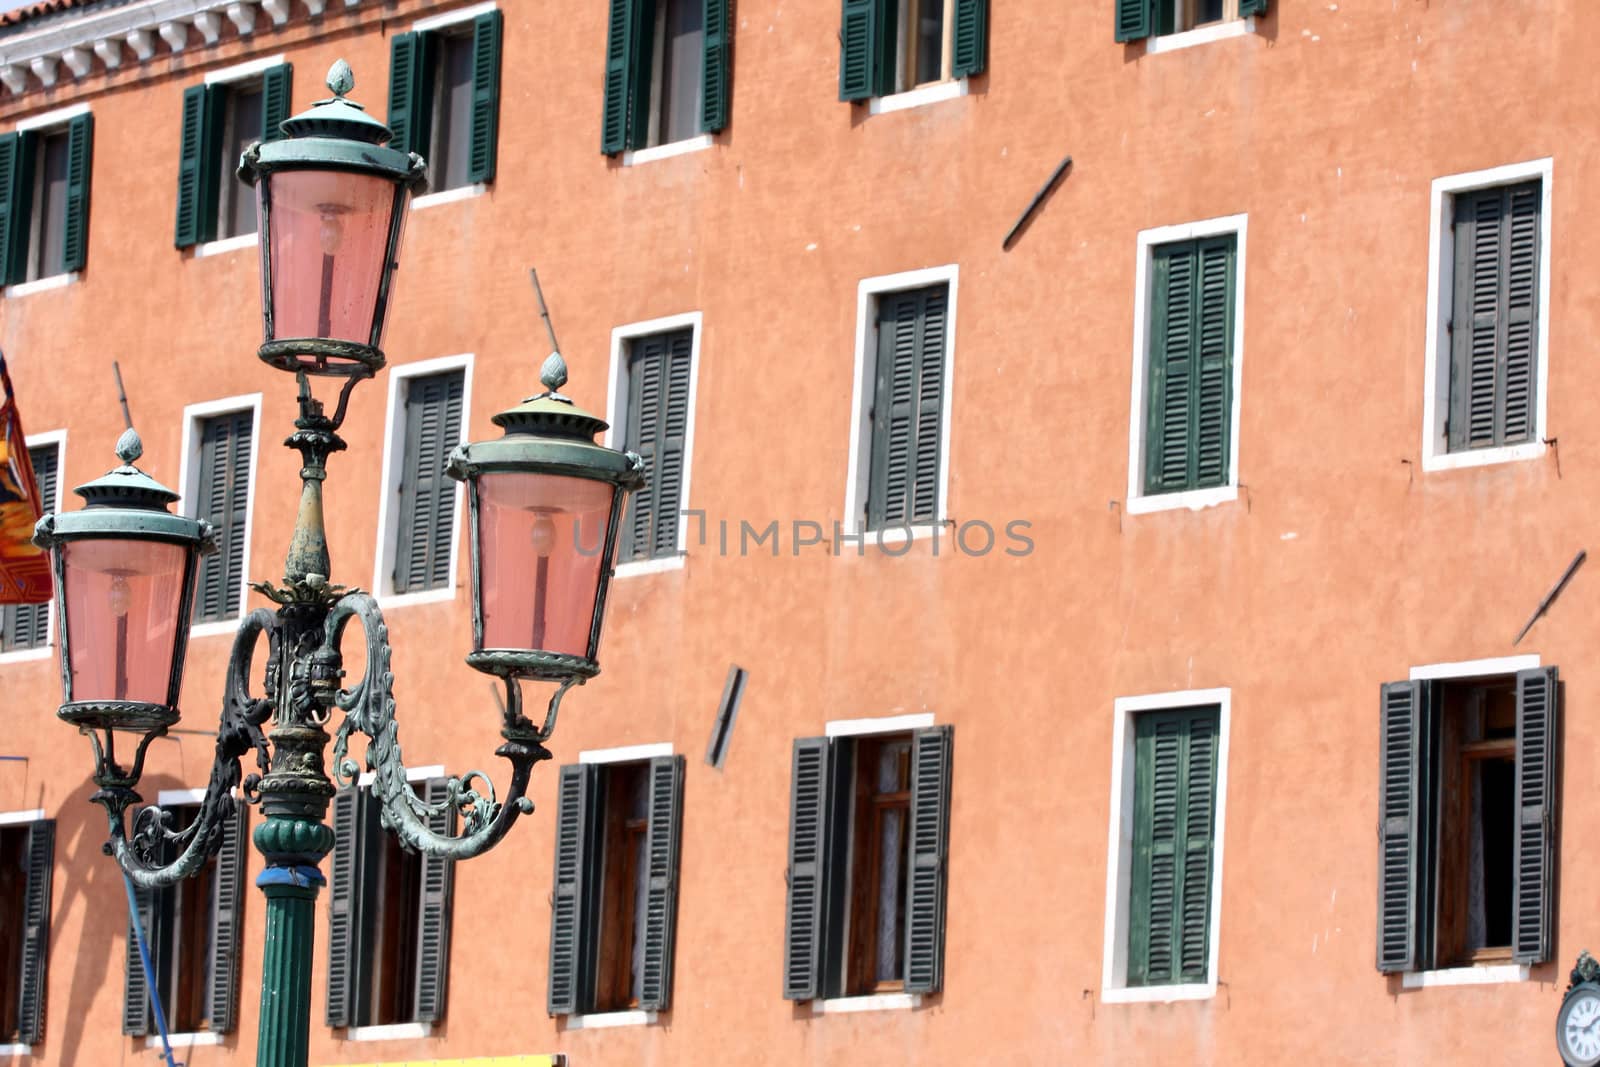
x: 1341, y: 565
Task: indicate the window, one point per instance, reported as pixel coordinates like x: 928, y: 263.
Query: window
x: 897, y: 471
x: 891, y: 46
x: 1137, y: 19
x: 220, y: 489
x: 429, y: 423
x: 27, y: 851
x: 615, y: 903
x: 658, y: 372
x: 192, y: 933
x: 44, y: 199
x: 389, y: 916
x: 444, y: 98
x: 868, y: 830
x: 1466, y: 820
x: 220, y: 120
x: 667, y: 72
x: 28, y: 625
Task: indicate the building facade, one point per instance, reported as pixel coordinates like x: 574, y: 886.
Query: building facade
x: 1093, y: 640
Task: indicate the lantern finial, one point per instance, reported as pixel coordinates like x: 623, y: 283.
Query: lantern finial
x: 129, y: 447
x: 341, y: 79
x: 553, y: 375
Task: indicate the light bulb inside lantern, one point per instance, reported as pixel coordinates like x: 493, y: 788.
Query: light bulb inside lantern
x: 544, y: 536
x: 332, y: 232
x: 120, y: 598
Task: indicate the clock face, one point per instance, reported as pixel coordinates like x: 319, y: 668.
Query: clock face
x: 1578, y: 1028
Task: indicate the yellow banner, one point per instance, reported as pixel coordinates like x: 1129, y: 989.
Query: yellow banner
x: 24, y: 569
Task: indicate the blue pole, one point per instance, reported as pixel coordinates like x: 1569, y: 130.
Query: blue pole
x: 149, y: 974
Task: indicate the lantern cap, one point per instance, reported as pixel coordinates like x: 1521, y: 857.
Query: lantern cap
x: 125, y: 502
x: 127, y: 486
x: 336, y: 116
x: 549, y: 413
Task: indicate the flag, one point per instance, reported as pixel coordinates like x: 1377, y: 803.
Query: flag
x: 24, y: 568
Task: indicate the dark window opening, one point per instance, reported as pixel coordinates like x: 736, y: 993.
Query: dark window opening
x: 46, y: 253
x: 450, y: 138
x: 679, y: 45
x: 881, y: 803
x: 241, y: 126
x: 625, y: 820
x: 181, y: 947
x: 13, y: 913
x: 391, y: 931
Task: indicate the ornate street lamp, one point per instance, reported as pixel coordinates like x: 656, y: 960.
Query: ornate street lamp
x: 545, y: 505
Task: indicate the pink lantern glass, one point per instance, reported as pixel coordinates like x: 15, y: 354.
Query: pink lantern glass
x: 541, y: 544
x: 123, y: 597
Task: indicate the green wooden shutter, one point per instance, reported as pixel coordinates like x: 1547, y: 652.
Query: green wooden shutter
x: 716, y: 71
x: 277, y: 98
x: 28, y: 625
x: 433, y: 916
x: 929, y: 838
x: 427, y: 512
x: 808, y: 850
x: 1252, y: 7
x: 80, y: 169
x: 970, y: 44
x: 197, y: 178
x: 223, y: 501
x: 1190, y: 373
x: 135, y: 990
x: 222, y: 996
x: 662, y: 838
x: 907, y: 403
x: 486, y: 32
x: 670, y: 453
x: 344, y: 919
x: 1213, y: 403
x: 1175, y: 769
x: 1401, y: 744
x: 861, y: 35
x: 657, y: 429
x: 627, y: 84
x: 36, y: 931
x: 15, y: 187
x: 572, y: 948
x: 1537, y: 708
x: 1135, y: 19
x: 410, y: 91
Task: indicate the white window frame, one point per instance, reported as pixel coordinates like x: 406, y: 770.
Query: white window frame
x: 1114, y: 988
x: 46, y: 121
x: 394, y: 467
x: 189, y: 490
x: 1436, y: 455
x: 859, y: 470
x: 1139, y: 502
x: 58, y: 438
x: 622, y: 338
x: 239, y: 72
x: 1211, y: 31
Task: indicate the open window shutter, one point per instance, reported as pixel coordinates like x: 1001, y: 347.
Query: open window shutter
x: 808, y: 847
x: 970, y: 46
x: 1135, y: 19
x: 620, y: 63
x: 135, y: 990
x: 860, y: 28
x: 240, y: 447
x: 1537, y: 699
x: 228, y: 895
x: 1213, y: 400
x: 14, y: 186
x: 647, y: 417
x: 1171, y: 377
x: 276, y: 101
x: 662, y: 839
x: 36, y: 931
x: 1518, y: 385
x: 674, y: 428
x: 716, y: 66
x: 433, y: 919
x: 407, y: 118
x: 486, y: 31
x: 570, y: 919
x: 344, y: 920
x: 28, y: 625
x: 80, y: 168
x: 932, y: 322
x: 1252, y: 7
x: 196, y: 194
x: 929, y: 836
x: 1401, y: 743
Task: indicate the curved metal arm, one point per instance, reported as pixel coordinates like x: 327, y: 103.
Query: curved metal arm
x: 238, y: 733
x: 369, y: 708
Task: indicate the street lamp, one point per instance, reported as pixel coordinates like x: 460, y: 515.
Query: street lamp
x: 544, y: 503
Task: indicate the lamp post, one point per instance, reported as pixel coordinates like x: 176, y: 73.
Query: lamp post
x: 544, y: 505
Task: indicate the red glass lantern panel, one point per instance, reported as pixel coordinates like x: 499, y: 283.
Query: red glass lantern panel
x: 123, y: 600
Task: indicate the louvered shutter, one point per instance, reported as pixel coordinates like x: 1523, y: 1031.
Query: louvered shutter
x: 28, y: 625
x: 15, y: 187
x: 627, y: 85
x: 1135, y: 19
x: 970, y: 38
x: 1213, y: 402
x: 433, y: 918
x: 670, y: 446
x: 662, y: 838
x: 861, y: 35
x: 908, y: 397
x: 1187, y: 443
x: 80, y: 169
x: 808, y: 845
x: 223, y: 501
x: 344, y: 919
x: 276, y: 103
x: 571, y: 980
x: 197, y: 186
x: 222, y: 996
x: 1252, y: 7
x: 135, y: 990
x: 486, y: 32
x: 1537, y: 700
x: 1400, y: 745
x: 36, y: 931
x: 658, y: 420
x: 929, y: 855
x: 410, y: 96
x: 716, y: 72
x: 427, y: 511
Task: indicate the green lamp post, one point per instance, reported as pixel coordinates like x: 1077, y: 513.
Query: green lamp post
x: 544, y: 505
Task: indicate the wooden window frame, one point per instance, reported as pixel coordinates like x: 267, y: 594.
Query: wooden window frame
x: 866, y: 891
x: 189, y: 474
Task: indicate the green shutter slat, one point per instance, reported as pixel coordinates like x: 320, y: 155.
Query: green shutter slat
x: 907, y: 403
x: 486, y: 32
x: 277, y: 96
x: 197, y: 187
x: 716, y: 71
x: 21, y: 213
x: 1538, y: 692
x: 932, y: 323
x: 970, y: 38
x: 433, y: 917
x: 223, y: 501
x: 929, y: 837
x: 1518, y: 384
x: 662, y: 837
x: 1170, y: 385
x: 860, y: 31
x: 1135, y: 19
x: 647, y: 418
x: 343, y: 907
x: 1252, y: 7
x: 426, y: 521
x: 212, y: 484
x: 241, y: 446
x: 620, y: 63
x: 409, y: 102
x: 808, y: 846
x: 1193, y: 934
x: 14, y: 188
x: 672, y: 442
x: 227, y: 894
x: 1213, y: 362
x: 36, y: 931
x: 135, y: 990
x: 80, y: 169
x: 1189, y: 377
x: 571, y: 912
x: 1400, y: 747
